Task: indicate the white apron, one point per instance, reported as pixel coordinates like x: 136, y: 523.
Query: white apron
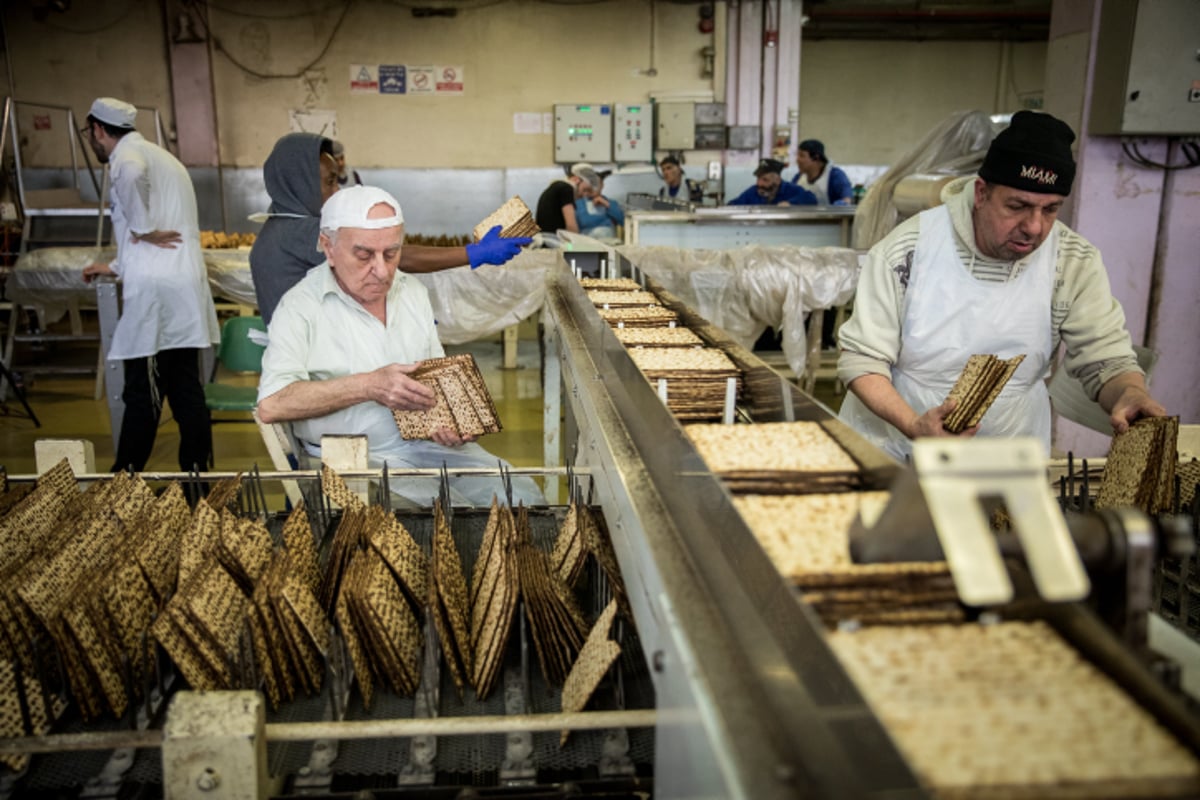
x: 166, y: 300
x: 820, y: 188
x: 950, y: 316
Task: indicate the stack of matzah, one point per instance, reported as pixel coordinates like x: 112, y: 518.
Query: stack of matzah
x: 977, y: 388
x: 776, y: 458
x: 1011, y: 710
x: 202, y: 626
x: 658, y: 337
x: 555, y: 618
x: 1188, y: 473
x: 463, y: 402
x: 696, y: 378
x: 448, y: 601
x: 494, y: 590
x: 382, y: 635
x: 84, y: 586
x: 639, y: 317
x: 1140, y: 469
x: 807, y: 537
x: 611, y: 284
x: 24, y: 691
x: 627, y: 298
x: 288, y: 629
x: 595, y: 658
x: 514, y: 219
x: 583, y: 534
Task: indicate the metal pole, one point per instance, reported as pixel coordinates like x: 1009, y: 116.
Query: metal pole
x: 360, y: 729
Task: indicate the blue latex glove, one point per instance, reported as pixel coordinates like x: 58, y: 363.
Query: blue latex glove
x: 492, y: 249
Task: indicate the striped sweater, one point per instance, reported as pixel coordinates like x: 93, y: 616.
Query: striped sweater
x: 1086, y: 318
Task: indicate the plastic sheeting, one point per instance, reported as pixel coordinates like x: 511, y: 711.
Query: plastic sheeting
x: 468, y: 304
x: 956, y: 146
x: 745, y: 290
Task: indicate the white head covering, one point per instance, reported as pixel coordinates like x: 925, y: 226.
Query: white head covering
x: 585, y: 171
x: 348, y: 208
x: 112, y: 111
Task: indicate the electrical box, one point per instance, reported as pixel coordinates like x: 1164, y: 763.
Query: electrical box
x: 745, y: 137
x: 633, y: 139
x: 583, y: 132
x: 676, y: 126
x: 710, y: 114
x: 1147, y: 78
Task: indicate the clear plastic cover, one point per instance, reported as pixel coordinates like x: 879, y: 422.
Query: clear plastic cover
x: 744, y: 290
x: 956, y: 146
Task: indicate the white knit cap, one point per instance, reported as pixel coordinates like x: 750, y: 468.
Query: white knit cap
x: 112, y: 111
x: 348, y: 208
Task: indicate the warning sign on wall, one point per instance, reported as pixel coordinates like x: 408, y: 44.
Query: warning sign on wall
x: 421, y: 80
x: 364, y: 78
x: 449, y: 80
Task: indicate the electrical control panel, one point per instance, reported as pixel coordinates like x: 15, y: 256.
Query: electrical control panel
x: 633, y: 139
x: 583, y: 132
x: 1147, y: 79
x: 676, y: 126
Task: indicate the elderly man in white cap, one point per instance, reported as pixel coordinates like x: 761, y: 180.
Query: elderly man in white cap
x: 168, y: 318
x: 343, y: 342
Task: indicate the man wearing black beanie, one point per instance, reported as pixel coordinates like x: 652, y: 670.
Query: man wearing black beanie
x: 992, y: 270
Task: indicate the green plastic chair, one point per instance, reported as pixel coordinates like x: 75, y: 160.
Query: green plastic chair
x: 238, y: 354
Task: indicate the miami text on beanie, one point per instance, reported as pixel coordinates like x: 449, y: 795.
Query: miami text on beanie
x: 1032, y: 154
x: 348, y: 208
x: 112, y: 111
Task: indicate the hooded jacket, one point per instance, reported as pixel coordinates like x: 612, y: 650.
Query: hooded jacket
x: 286, y: 249
x: 1084, y: 314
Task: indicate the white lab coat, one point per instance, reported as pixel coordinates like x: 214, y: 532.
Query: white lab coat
x: 950, y: 316
x: 166, y: 300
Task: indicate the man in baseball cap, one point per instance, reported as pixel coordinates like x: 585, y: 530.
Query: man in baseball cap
x: 992, y: 270
x: 343, y: 342
x: 830, y: 184
x: 770, y: 190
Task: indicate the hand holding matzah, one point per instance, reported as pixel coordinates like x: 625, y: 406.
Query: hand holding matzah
x: 392, y: 387
x: 933, y: 422
x: 493, y: 248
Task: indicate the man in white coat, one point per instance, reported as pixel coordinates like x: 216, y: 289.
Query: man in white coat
x: 167, y: 319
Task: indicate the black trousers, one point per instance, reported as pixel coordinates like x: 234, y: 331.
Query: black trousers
x: 173, y: 375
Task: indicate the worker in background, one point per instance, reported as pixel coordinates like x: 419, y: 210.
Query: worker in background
x: 828, y: 183
x: 672, y: 174
x: 345, y: 177
x: 300, y: 175
x: 167, y: 317
x: 771, y: 190
x: 990, y: 271
x: 598, y: 216
x: 556, y: 206
x: 343, y: 342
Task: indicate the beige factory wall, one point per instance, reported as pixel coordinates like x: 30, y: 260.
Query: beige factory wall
x: 870, y: 102
x: 517, y: 56
x: 110, y: 47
